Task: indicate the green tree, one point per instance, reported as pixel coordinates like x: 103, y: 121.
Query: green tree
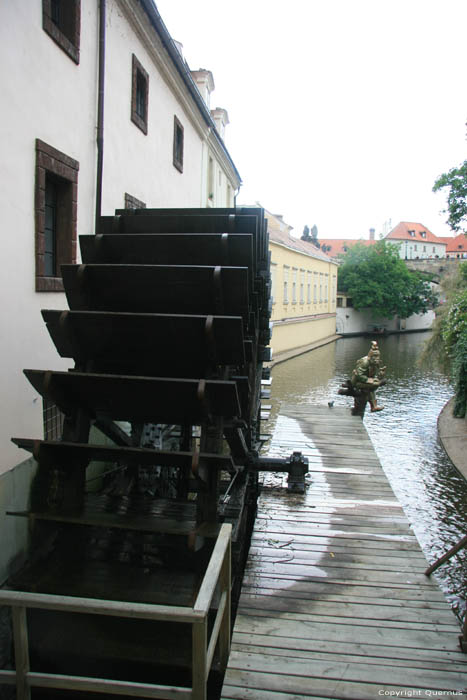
x: 456, y: 183
x: 376, y: 278
x: 447, y: 346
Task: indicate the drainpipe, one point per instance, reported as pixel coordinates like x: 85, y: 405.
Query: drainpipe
x: 100, y: 112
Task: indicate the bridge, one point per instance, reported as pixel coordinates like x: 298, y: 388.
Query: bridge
x: 437, y: 268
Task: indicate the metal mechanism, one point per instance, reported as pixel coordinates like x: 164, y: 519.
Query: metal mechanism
x: 168, y: 327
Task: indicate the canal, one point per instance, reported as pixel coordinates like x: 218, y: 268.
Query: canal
x: 429, y: 488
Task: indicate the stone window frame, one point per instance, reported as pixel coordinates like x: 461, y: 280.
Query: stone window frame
x: 132, y: 202
x: 69, y: 44
x: 137, y: 68
x: 50, y: 161
x: 178, y: 129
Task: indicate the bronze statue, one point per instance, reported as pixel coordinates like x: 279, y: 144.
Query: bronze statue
x: 366, y: 378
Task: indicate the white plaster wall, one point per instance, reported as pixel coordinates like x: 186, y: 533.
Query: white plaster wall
x: 44, y: 95
x: 134, y: 162
x: 408, y: 251
x: 349, y: 321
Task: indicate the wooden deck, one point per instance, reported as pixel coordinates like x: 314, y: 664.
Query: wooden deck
x: 335, y: 603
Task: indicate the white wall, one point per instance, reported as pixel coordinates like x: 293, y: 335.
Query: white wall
x: 410, y: 250
x: 44, y: 95
x: 134, y: 162
x: 352, y: 322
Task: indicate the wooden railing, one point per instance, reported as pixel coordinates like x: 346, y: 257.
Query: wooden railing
x: 217, y: 572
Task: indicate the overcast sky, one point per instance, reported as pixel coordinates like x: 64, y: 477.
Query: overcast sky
x: 342, y: 112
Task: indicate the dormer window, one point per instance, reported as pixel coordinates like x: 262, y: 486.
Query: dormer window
x: 423, y: 234
x: 412, y: 233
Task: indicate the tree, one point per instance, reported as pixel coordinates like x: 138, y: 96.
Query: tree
x: 447, y: 346
x: 456, y: 182
x: 376, y: 278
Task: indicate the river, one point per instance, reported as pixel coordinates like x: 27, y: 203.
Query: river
x: 429, y: 488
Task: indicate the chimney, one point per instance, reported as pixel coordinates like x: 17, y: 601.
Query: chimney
x: 204, y: 82
x: 372, y: 234
x: 221, y: 119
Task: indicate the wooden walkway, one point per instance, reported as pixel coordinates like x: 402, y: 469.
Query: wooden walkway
x: 335, y: 603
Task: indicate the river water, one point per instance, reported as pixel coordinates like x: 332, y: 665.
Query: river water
x: 429, y: 488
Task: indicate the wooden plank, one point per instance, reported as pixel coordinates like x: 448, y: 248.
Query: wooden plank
x: 356, y: 654
x: 145, y: 341
x: 334, y: 688
x: 335, y: 602
x: 400, y: 598
x: 168, y: 249
x: 295, y: 646
x: 361, y: 611
x: 343, y: 671
x: 157, y: 289
x: 141, y: 399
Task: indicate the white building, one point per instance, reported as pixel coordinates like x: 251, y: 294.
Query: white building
x: 99, y: 111
x: 416, y: 241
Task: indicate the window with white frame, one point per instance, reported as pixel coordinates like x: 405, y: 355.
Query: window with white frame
x: 286, y: 284
x: 320, y: 287
x: 315, y: 289
x: 294, y: 285
x: 273, y: 282
x: 326, y: 288
x: 308, y: 287
x: 302, y: 286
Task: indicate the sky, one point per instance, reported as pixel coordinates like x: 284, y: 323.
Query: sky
x: 343, y: 113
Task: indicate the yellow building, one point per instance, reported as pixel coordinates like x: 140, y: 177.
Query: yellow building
x: 304, y: 284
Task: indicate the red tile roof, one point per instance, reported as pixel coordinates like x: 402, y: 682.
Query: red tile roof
x: 339, y: 246
x: 456, y: 244
x: 401, y: 232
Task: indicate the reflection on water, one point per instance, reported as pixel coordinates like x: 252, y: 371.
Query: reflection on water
x: 431, y: 491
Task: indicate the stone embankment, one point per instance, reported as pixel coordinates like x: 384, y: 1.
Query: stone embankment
x: 453, y: 435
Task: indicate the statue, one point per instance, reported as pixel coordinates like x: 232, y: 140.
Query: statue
x: 366, y: 378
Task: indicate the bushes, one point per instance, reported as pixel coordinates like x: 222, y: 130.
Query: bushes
x: 454, y: 335
x: 447, y: 346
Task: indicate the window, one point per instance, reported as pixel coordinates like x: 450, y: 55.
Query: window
x: 133, y: 203
x: 294, y: 285
x: 423, y: 234
x: 273, y: 282
x: 178, y: 145
x: 302, y: 286
x: 308, y: 288
x: 339, y: 302
x: 56, y: 215
x: 286, y: 285
x: 210, y: 182
x: 412, y: 233
x: 61, y: 20
x: 315, y: 289
x: 139, y: 96
x: 320, y: 287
